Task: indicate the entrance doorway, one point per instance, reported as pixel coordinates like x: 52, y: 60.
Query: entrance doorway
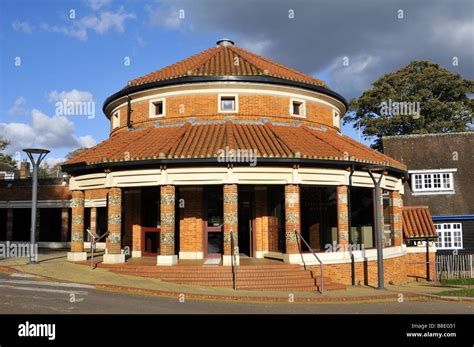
x: 246, y: 215
x: 214, y: 221
x: 151, y: 242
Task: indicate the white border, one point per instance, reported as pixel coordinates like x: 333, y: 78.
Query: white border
x: 303, y: 108
x: 236, y: 102
x: 151, y: 108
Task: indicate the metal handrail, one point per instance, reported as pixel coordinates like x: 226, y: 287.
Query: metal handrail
x: 300, y: 238
x: 233, y: 260
x: 94, y: 239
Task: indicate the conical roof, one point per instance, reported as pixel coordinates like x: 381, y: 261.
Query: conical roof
x: 226, y: 59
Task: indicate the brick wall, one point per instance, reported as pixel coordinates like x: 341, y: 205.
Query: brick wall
x: 261, y: 220
x: 205, y: 106
x: 397, y: 270
x: 50, y: 192
x: 191, y: 220
x: 132, y: 205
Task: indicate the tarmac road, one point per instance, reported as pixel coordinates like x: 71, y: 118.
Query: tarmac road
x: 29, y: 296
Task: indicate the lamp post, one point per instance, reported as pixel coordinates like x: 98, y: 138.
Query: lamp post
x: 40, y: 154
x: 378, y: 221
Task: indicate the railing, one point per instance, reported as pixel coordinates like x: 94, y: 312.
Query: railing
x: 300, y: 238
x: 233, y: 260
x: 94, y: 239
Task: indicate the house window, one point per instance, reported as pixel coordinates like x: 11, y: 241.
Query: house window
x: 336, y: 119
x: 433, y: 181
x: 449, y: 235
x: 157, y: 108
x: 228, y: 103
x: 115, y: 119
x: 297, y: 108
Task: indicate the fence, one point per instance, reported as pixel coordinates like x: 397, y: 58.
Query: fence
x: 454, y: 266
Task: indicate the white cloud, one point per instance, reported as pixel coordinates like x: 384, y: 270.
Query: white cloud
x: 86, y: 141
x: 24, y: 27
x: 354, y: 77
x: 454, y: 33
x: 54, y: 132
x: 166, y: 15
x: 18, y: 108
x: 102, y: 23
x: 256, y: 46
x: 97, y: 4
x: 73, y: 95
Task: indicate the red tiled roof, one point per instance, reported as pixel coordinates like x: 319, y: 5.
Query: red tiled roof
x: 417, y: 222
x: 205, y: 139
x: 226, y: 61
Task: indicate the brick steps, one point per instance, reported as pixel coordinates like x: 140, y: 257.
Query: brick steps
x: 279, y: 277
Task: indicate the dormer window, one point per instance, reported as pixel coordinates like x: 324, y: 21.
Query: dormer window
x: 157, y: 108
x: 116, y: 119
x: 228, y: 103
x: 297, y: 108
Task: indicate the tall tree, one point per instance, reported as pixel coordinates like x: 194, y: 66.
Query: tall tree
x: 420, y: 98
x: 5, y: 158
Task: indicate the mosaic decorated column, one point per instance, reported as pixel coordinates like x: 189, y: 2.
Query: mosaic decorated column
x: 231, y: 217
x: 292, y: 223
x: 167, y: 247
x: 64, y: 224
x: 342, y: 217
x: 396, y: 207
x: 114, y: 253
x: 10, y: 224
x: 77, y: 227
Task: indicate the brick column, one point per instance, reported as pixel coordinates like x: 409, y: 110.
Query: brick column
x: 231, y: 218
x: 136, y: 241
x: 261, y: 221
x: 167, y: 247
x: 342, y: 217
x: 114, y: 225
x: 93, y: 220
x: 64, y: 224
x: 10, y: 224
x: 396, y: 207
x: 292, y: 223
x: 77, y: 227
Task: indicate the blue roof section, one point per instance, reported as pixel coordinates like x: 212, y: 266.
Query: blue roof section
x: 454, y: 217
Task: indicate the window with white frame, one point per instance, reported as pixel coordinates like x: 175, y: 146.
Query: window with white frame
x: 157, y: 108
x: 336, y: 119
x: 116, y: 119
x: 449, y: 235
x: 297, y: 108
x: 432, y: 181
x: 228, y: 103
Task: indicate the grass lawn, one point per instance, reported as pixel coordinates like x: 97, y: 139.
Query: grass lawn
x: 461, y: 281
x: 458, y: 292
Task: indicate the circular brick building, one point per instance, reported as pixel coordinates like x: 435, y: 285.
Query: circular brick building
x: 228, y: 148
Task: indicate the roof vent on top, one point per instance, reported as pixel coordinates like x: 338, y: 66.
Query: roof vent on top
x: 225, y: 42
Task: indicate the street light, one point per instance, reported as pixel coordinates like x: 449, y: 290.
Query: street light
x: 40, y: 154
x: 378, y: 221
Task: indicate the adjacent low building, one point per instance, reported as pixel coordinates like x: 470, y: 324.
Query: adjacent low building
x: 440, y: 171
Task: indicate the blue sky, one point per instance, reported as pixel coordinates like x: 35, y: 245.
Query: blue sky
x: 83, y: 57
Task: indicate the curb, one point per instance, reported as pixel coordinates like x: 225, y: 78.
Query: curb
x: 408, y: 296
